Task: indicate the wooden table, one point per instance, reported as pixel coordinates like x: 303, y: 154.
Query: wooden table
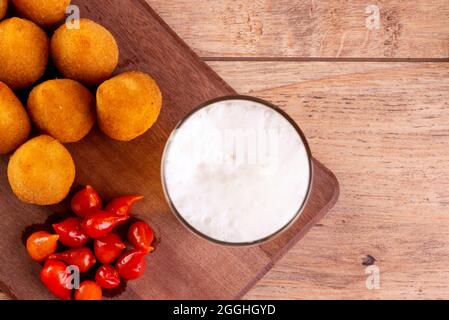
x: 368, y: 81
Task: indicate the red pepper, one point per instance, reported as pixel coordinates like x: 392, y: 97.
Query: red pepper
x: 86, y: 201
x: 108, y: 248
x: 100, y: 223
x: 56, y: 278
x: 70, y: 233
x: 83, y: 258
x: 141, y: 236
x: 107, y: 277
x: 122, y: 205
x: 88, y: 290
x: 132, y: 264
x: 41, y: 244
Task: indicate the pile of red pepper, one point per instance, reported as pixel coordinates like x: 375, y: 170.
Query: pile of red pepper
x: 93, y: 223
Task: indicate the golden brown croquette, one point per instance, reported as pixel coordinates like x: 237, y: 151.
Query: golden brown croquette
x: 45, y: 13
x: 14, y: 121
x: 41, y: 171
x: 128, y: 105
x: 62, y: 108
x: 3, y: 8
x: 23, y: 52
x: 88, y: 54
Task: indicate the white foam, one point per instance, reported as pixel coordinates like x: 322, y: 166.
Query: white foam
x: 237, y: 171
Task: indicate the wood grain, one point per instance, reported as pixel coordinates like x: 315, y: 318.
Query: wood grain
x: 310, y: 29
x: 383, y: 129
x: 184, y: 266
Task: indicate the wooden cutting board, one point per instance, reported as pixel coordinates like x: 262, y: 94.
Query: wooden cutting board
x: 184, y: 266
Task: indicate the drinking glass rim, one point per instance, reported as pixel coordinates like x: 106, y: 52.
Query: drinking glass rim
x: 249, y: 243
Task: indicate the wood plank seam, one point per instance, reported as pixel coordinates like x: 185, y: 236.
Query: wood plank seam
x: 318, y: 59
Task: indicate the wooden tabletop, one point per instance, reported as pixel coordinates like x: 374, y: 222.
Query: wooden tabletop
x: 368, y: 82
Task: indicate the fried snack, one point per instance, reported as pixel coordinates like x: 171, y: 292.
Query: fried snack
x: 128, y: 105
x: 88, y: 54
x: 3, y: 8
x: 23, y: 52
x: 45, y: 13
x: 62, y: 108
x: 14, y: 121
x: 41, y: 171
